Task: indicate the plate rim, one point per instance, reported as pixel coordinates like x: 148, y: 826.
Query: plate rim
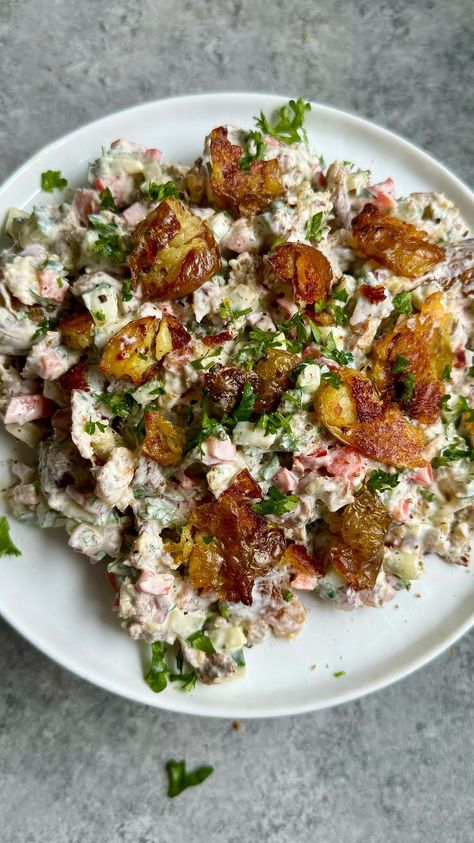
x: 179, y: 705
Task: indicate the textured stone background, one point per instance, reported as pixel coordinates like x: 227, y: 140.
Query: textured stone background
x: 78, y: 765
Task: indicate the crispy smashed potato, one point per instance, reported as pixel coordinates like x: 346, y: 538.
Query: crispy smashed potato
x: 244, y: 544
x: 173, y: 253
x: 360, y: 531
x: 298, y: 558
x: 356, y: 414
x: 225, y: 384
x: 77, y: 330
x: 273, y: 373
x: 164, y: 441
x: 134, y: 352
x: 242, y: 192
x: 423, y: 341
x: 396, y: 244
x: 305, y: 268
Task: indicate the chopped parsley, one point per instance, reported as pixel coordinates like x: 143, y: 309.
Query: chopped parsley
x: 332, y: 378
x: 156, y: 192
x: 208, y: 539
x: 201, y: 641
x: 255, y: 148
x: 470, y: 371
x: 402, y: 302
x: 407, y: 384
x: 99, y: 315
x: 331, y: 350
x: 204, y: 362
x: 244, y: 408
x: 157, y: 674
x: 52, y: 180
x: 452, y: 453
x: 107, y: 201
x: 42, y: 329
x: 121, y: 404
x: 188, y: 680
x: 287, y: 595
x: 7, y: 547
x: 276, y: 504
x: 209, y: 426
x: 179, y: 779
x: 109, y: 246
x: 127, y: 294
x: 228, y: 312
x: 446, y: 373
x: 399, y: 364
x: 339, y: 673
x: 288, y: 128
x: 460, y: 408
x: 380, y: 480
x: 314, y: 227
x: 90, y: 427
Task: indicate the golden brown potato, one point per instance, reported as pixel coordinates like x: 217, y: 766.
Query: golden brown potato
x: 242, y: 192
x: 77, y: 330
x: 273, y: 374
x: 305, y: 268
x: 130, y: 353
x: 356, y: 414
x: 173, y: 252
x: 164, y: 441
x: 423, y: 341
x: 298, y: 558
x: 361, y: 528
x: 396, y: 244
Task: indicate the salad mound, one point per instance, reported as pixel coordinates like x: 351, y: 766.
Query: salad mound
x: 240, y: 381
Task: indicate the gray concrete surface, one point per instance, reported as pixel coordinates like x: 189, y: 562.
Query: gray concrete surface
x: 78, y: 765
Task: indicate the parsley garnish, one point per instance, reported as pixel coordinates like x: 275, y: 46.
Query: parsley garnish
x: 402, y: 303
x: 201, y: 641
x: 121, y: 403
x: 188, y: 680
x: 209, y: 426
x: 408, y: 387
x: 156, y: 192
x: 208, y: 539
x: 470, y: 371
x: 42, y: 329
x: 127, y: 290
x: 288, y: 129
x: 254, y: 150
x: 179, y: 779
x: 446, y: 374
x: 331, y: 350
x: 339, y: 673
x: 451, y: 454
x: 52, y: 180
x: 199, y: 362
x: 244, y: 409
x: 287, y: 595
x: 109, y: 246
x: 332, y: 378
x: 107, y: 201
x: 276, y: 504
x: 157, y: 674
x: 314, y: 226
x: 340, y: 317
x: 7, y: 547
x: 99, y: 315
x: 380, y: 480
x: 400, y: 363
x: 228, y: 312
x: 90, y: 427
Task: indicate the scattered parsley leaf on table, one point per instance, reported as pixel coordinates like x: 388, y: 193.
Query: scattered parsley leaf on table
x: 52, y: 180
x: 179, y: 779
x: 7, y: 548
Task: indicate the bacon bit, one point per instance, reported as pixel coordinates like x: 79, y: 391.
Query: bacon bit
x: 179, y: 335
x: 75, y: 378
x: 235, y: 725
x: 460, y: 358
x: 217, y: 339
x: 373, y: 294
x: 113, y: 582
x: 244, y: 486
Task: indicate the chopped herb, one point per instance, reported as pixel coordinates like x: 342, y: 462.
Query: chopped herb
x: 209, y: 426
x: 380, y: 480
x: 339, y: 673
x: 244, y: 409
x: 120, y: 403
x: 315, y: 332
x: 42, y: 329
x: 408, y: 387
x: 446, y: 374
x: 461, y: 408
x: 201, y: 641
x: 226, y: 311
x: 224, y: 610
x: 288, y: 129
x: 109, y: 246
x: 180, y: 780
x: 276, y: 504
x: 52, y: 180
x: 470, y: 371
x: 452, y: 453
x: 107, y: 201
x: 158, y: 390
x: 157, y: 675
x: 314, y: 227
x: 278, y: 241
x: 287, y: 595
x: 142, y: 355
x: 239, y: 658
x: 199, y: 363
x: 7, y: 547
x: 331, y: 350
x: 156, y: 192
x: 332, y: 378
x: 208, y: 539
x: 340, y: 295
x: 400, y: 363
x: 255, y: 148
x: 99, y: 315
x: 428, y: 496
x: 402, y: 303
x: 90, y: 427
x: 127, y: 290
x: 188, y: 680
x: 59, y: 282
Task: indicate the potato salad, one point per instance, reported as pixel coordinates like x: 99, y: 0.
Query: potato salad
x: 242, y: 383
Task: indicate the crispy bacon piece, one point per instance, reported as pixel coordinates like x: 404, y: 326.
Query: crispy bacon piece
x: 244, y: 546
x: 424, y: 342
x: 273, y: 373
x: 305, y: 268
x: 77, y: 330
x: 164, y: 441
x: 360, y: 529
x: 396, y: 244
x: 225, y: 384
x: 357, y: 415
x: 217, y: 339
x: 173, y: 253
x: 373, y: 294
x: 242, y: 192
x: 298, y: 558
x: 75, y: 378
x: 244, y: 486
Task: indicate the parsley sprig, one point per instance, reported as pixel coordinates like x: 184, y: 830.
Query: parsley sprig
x: 52, y: 180
x: 314, y: 227
x: 255, y: 148
x: 156, y: 192
x: 402, y: 303
x: 179, y: 779
x: 380, y: 480
x: 7, y: 547
x: 276, y: 504
x: 453, y: 453
x: 289, y: 126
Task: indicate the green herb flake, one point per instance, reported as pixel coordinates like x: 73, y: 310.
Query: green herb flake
x: 228, y: 312
x: 402, y: 303
x: 179, y: 779
x: 380, y: 480
x: 408, y: 387
x: 156, y: 192
x: 52, y: 180
x: 287, y: 595
x: 288, y: 128
x: 332, y: 378
x: 208, y: 539
x: 127, y: 290
x: 314, y: 227
x: 276, y: 504
x: 255, y: 148
x: 99, y: 315
x: 244, y: 408
x: 121, y: 404
x: 7, y: 547
x: 339, y: 673
x: 201, y: 641
x: 470, y: 371
x: 90, y: 427
x: 157, y: 675
x: 446, y: 374
x: 205, y: 362
x: 399, y: 364
x: 452, y: 453
x: 188, y: 680
x: 107, y: 201
x: 42, y: 329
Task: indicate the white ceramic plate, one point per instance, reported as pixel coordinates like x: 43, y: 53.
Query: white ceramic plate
x: 63, y: 605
